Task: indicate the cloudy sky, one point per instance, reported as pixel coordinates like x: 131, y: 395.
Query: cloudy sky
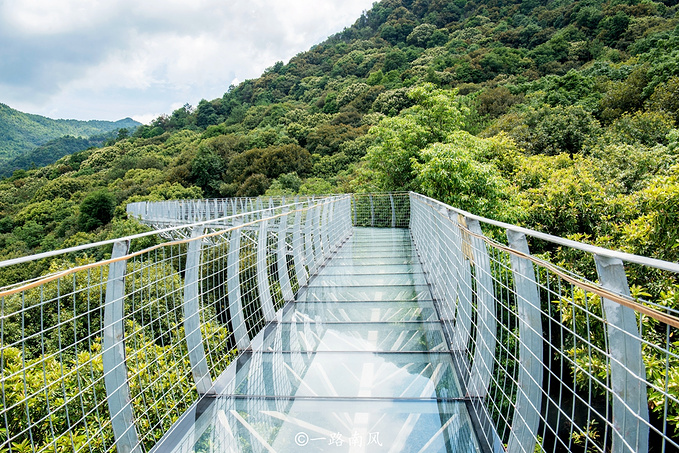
x: 109, y: 59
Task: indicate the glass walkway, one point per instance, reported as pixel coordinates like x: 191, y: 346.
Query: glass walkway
x: 357, y: 363
x: 307, y: 325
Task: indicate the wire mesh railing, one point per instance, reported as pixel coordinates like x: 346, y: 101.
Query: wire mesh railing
x: 550, y: 360
x: 106, y: 353
x: 162, y: 214
x: 385, y: 210
x: 109, y: 347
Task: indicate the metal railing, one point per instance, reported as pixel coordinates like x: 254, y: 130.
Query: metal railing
x: 163, y: 214
x: 113, y: 342
x: 373, y: 210
x: 106, y: 353
x: 551, y: 361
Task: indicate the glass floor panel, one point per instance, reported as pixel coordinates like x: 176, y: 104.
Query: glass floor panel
x: 347, y: 375
x: 361, y: 311
x: 301, y: 425
x: 357, y: 363
x: 375, y: 337
x: 368, y: 280
x: 371, y: 269
x: 381, y: 246
x: 365, y: 293
x: 373, y: 261
x: 376, y: 253
x: 380, y: 233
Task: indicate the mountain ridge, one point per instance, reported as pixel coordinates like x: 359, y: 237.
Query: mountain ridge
x: 21, y: 133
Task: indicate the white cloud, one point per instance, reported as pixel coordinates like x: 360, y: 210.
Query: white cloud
x: 109, y: 59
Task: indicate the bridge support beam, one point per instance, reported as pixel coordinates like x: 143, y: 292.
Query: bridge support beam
x: 240, y: 330
x: 113, y: 355
x: 262, y: 271
x: 628, y: 373
x: 191, y: 307
x: 282, y: 258
x: 486, y: 324
x: 523, y: 436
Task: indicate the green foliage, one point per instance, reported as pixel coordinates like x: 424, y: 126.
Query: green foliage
x: 450, y: 173
x: 204, y: 167
x: 576, y: 101
x: 22, y: 133
x: 665, y: 98
x: 550, y: 130
x: 96, y: 210
x: 655, y: 230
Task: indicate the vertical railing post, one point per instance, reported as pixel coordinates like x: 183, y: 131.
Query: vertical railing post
x: 628, y: 373
x: 298, y: 249
x: 191, y: 308
x: 236, y: 313
x: 262, y: 271
x: 325, y: 237
x: 486, y: 324
x: 282, y: 258
x: 113, y: 355
x: 433, y: 252
x: 448, y: 266
x: 308, y: 241
x: 372, y: 211
x: 318, y: 251
x: 463, y: 271
x: 393, y: 211
x: 523, y: 436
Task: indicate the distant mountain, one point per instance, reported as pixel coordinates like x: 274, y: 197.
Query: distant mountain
x: 52, y: 151
x: 21, y: 133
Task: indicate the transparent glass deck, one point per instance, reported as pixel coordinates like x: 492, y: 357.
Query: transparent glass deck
x: 358, y: 363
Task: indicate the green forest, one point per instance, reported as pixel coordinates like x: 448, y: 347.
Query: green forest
x: 557, y: 115
x: 28, y: 140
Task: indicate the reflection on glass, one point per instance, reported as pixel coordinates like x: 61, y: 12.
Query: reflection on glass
x: 370, y: 269
x: 368, y: 280
x: 374, y: 337
x: 358, y: 363
x: 325, y: 374
x: 289, y: 425
x: 361, y: 312
x: 366, y: 293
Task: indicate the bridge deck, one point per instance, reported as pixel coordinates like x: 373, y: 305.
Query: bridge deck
x: 357, y: 363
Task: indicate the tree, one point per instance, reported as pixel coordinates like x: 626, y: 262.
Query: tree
x: 96, y: 210
x: 421, y: 35
x: 665, y: 98
x: 206, y: 171
x: 398, y: 141
x: 449, y: 172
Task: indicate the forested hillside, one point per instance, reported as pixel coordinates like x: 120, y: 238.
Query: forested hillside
x: 21, y: 133
x: 557, y: 115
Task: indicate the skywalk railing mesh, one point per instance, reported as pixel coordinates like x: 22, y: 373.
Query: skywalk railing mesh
x: 552, y: 360
x: 103, y: 347
x: 109, y: 347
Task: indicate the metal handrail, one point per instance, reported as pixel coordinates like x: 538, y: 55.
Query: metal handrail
x: 604, y: 351
x: 588, y: 248
x: 103, y: 355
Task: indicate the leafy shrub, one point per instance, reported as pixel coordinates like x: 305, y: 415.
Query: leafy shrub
x: 96, y: 210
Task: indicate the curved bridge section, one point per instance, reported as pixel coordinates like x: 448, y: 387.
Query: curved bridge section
x: 376, y: 322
